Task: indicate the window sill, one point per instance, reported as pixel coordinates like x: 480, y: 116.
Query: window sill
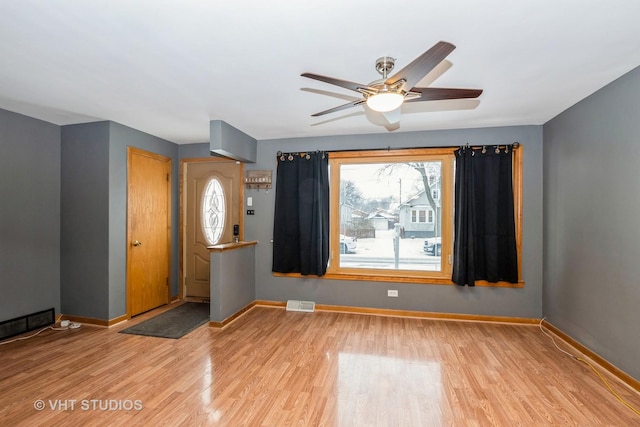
x: 399, y: 279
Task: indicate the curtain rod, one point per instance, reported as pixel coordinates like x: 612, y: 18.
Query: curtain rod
x: 514, y: 145
x: 290, y: 155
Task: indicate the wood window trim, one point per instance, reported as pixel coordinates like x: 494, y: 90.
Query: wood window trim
x: 398, y: 279
x: 446, y: 193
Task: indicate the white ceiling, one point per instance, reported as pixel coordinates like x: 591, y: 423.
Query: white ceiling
x: 169, y: 67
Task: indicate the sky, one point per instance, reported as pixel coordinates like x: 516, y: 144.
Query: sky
x: 366, y: 179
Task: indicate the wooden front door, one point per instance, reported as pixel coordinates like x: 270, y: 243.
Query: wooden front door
x: 197, y: 176
x: 148, y: 230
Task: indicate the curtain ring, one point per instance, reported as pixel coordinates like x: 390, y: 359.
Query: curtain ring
x: 307, y: 156
x: 484, y: 149
x: 506, y: 149
x: 282, y: 158
x: 497, y: 149
x: 290, y: 157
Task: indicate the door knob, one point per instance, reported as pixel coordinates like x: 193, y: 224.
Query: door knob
x: 137, y: 243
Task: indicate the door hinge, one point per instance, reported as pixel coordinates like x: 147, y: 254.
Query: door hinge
x: 167, y: 177
x: 167, y: 282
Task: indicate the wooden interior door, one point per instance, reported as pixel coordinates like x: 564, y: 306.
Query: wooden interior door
x: 197, y: 175
x: 148, y: 230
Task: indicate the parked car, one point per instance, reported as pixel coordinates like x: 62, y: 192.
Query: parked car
x: 433, y: 246
x: 347, y: 244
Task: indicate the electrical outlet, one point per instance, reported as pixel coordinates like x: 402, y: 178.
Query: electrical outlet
x: 392, y: 292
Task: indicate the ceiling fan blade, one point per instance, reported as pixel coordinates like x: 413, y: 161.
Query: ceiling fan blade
x: 340, y: 108
x: 393, y: 116
x: 333, y: 94
x: 436, y: 73
x: 392, y: 127
x: 422, y: 65
x: 383, y: 118
x: 346, y: 116
x: 436, y: 93
x: 439, y: 106
x: 338, y: 82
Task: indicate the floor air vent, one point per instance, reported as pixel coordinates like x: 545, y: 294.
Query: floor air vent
x: 27, y: 323
x: 306, y: 306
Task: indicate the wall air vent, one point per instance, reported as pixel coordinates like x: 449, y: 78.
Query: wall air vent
x: 306, y: 306
x: 29, y: 322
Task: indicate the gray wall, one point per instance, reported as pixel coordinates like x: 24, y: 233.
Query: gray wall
x: 84, y: 272
x: 194, y: 151
x: 232, y: 281
x: 591, y: 239
x: 230, y: 142
x: 524, y: 302
x: 94, y: 216
x: 29, y: 215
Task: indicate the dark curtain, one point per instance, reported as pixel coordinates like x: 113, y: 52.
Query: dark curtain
x: 485, y: 238
x: 301, y: 223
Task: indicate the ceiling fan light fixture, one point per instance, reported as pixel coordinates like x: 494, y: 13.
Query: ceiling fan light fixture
x: 385, y: 101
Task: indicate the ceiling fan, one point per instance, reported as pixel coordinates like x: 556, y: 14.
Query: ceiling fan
x: 387, y: 94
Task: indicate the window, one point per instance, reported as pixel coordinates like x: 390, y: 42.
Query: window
x: 213, y: 211
x: 415, y: 215
x: 395, y: 211
x: 421, y: 215
x: 393, y: 220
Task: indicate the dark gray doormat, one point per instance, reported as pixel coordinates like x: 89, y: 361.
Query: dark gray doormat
x: 174, y: 323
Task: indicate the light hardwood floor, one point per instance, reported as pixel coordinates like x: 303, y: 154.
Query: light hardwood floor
x: 271, y: 367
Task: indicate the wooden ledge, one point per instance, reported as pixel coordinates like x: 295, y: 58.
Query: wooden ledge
x: 391, y: 276
x: 231, y: 246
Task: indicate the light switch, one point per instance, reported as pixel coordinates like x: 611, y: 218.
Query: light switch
x: 249, y: 201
